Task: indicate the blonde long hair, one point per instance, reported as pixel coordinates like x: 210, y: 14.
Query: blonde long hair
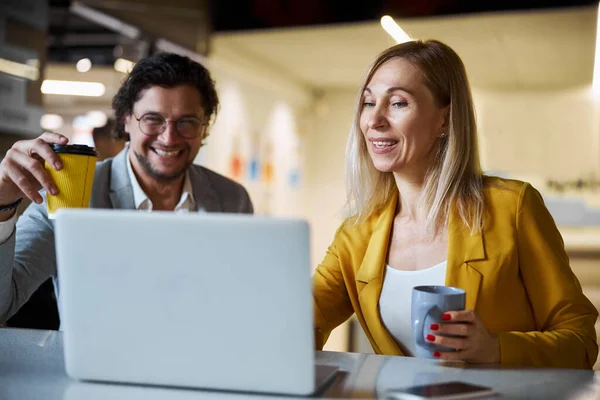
x: 455, y: 178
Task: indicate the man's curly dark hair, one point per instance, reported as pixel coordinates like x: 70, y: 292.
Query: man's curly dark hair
x: 165, y: 70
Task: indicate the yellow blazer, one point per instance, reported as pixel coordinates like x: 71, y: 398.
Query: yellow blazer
x: 516, y: 274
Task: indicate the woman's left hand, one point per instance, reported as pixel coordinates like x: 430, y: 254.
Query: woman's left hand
x: 476, y: 344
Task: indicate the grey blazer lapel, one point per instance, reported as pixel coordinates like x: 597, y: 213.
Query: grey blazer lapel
x: 205, y: 195
x: 121, y: 192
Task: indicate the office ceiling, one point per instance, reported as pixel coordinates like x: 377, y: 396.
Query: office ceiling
x: 546, y: 49
x: 71, y: 37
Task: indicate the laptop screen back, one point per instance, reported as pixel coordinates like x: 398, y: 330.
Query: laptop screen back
x: 218, y: 301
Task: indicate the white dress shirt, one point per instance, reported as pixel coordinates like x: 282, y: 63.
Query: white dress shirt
x: 141, y: 201
x: 396, y: 300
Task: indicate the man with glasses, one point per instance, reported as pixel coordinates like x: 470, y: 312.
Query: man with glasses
x: 163, y: 109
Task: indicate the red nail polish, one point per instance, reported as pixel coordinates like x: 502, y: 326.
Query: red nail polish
x: 431, y: 338
x: 436, y: 354
x: 446, y: 317
x: 434, y: 327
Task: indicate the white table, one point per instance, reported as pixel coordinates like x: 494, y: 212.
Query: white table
x: 32, y: 367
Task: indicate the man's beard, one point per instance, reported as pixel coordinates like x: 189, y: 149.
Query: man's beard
x: 159, y: 176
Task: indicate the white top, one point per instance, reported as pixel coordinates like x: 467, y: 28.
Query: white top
x: 396, y: 298
x: 140, y: 199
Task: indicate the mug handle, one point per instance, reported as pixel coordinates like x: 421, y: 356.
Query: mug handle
x: 419, y: 327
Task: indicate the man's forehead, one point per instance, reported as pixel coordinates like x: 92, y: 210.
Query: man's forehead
x: 176, y: 98
x: 159, y: 92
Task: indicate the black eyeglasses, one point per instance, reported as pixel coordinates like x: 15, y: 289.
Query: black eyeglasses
x: 155, y: 124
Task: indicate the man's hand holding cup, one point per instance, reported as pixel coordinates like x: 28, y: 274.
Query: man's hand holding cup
x: 22, y: 172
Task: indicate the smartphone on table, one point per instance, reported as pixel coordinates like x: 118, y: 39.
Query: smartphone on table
x: 441, y: 391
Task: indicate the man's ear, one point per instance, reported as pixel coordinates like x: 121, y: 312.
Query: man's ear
x: 126, y: 121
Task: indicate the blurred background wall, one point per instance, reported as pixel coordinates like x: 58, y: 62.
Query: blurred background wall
x: 288, y: 72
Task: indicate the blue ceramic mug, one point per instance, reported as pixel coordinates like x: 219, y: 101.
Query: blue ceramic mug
x: 428, y: 305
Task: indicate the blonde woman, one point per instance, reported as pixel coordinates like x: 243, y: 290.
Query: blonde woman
x: 423, y: 213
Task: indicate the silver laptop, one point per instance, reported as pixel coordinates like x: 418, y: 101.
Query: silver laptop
x: 212, y: 301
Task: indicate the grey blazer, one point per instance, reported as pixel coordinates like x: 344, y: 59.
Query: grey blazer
x: 27, y: 258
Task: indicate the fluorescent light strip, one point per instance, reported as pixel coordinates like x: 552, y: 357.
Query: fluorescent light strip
x: 596, y: 80
x: 124, y: 66
x: 170, y: 47
x: 71, y: 88
x: 112, y: 23
x: 394, y: 30
x: 18, y: 69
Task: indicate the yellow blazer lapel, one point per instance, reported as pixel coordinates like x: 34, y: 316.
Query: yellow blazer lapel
x: 464, y: 248
x: 370, y: 278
